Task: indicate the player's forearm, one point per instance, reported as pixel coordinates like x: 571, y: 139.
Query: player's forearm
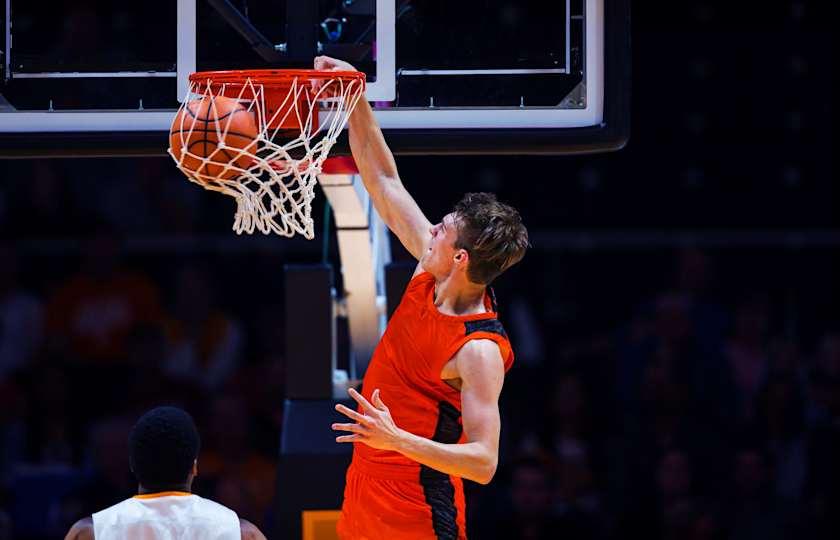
x: 472, y: 460
x: 370, y: 151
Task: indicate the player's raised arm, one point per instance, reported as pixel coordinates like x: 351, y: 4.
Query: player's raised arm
x: 379, y: 174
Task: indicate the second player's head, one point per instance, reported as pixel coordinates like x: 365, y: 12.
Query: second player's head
x: 163, y: 448
x: 481, y: 237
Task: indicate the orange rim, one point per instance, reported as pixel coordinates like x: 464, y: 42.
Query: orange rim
x: 273, y: 77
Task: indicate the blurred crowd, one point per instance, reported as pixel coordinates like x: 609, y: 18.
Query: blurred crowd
x: 93, y: 334
x: 702, y: 415
x: 645, y: 403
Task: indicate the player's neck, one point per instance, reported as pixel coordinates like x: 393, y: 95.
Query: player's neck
x: 455, y: 296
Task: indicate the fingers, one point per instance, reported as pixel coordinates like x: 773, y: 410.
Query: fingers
x: 360, y: 399
x: 320, y: 62
x: 326, y: 63
x: 349, y: 438
x: 350, y: 413
x: 353, y: 428
x: 377, y: 400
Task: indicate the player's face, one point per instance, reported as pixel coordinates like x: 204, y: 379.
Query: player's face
x: 440, y: 255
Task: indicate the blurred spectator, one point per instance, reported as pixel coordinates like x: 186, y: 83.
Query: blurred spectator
x: 5, y: 526
x: 13, y: 429
x: 707, y: 524
x: 828, y: 357
x: 175, y: 202
x: 231, y: 492
x: 530, y: 350
x: 37, y: 206
x: 50, y: 416
x: 146, y: 383
x: 569, y: 422
x: 529, y: 514
x: 108, y: 476
x: 20, y: 316
x: 662, y: 506
x: 206, y: 342
x: 108, y: 443
x: 162, y: 200
x: 236, y: 472
x: 564, y: 421
x: 92, y: 312
x: 696, y: 277
x: 753, y: 513
x: 823, y: 481
x: 781, y: 410
x: 747, y: 352
x: 785, y: 357
x: 664, y: 395
x: 675, y: 507
x: 266, y: 351
x: 577, y: 504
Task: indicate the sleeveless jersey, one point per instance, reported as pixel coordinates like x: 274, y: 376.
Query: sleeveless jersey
x: 167, y: 516
x: 406, y: 368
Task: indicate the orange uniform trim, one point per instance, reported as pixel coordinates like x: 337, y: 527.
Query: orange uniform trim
x: 162, y: 494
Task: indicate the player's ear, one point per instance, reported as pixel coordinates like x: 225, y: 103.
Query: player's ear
x: 195, y: 468
x: 462, y: 258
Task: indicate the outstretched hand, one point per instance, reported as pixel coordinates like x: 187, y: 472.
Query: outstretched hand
x: 374, y: 428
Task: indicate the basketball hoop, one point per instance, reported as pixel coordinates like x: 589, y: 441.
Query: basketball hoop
x: 262, y: 136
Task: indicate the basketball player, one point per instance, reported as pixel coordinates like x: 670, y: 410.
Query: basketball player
x: 163, y: 447
x: 428, y: 414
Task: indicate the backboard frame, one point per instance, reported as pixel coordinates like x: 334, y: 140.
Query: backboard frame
x: 603, y: 125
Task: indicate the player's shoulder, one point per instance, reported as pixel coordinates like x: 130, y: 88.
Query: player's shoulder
x: 81, y: 530
x: 479, y: 353
x: 250, y: 531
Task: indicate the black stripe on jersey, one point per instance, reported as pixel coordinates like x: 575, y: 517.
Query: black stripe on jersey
x: 437, y: 487
x: 486, y: 325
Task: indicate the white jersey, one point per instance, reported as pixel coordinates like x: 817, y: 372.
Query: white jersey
x: 166, y: 516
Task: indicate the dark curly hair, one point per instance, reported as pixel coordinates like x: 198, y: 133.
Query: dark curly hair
x: 163, y: 445
x: 492, y: 233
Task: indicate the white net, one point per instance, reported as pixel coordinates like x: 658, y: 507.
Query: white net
x: 263, y: 144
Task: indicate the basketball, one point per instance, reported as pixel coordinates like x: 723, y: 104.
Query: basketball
x: 199, y: 126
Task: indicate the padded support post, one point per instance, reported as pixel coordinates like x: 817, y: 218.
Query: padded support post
x: 364, y: 249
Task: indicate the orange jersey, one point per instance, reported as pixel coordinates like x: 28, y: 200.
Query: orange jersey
x: 388, y: 495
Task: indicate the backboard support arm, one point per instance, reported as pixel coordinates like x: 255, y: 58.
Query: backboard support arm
x: 261, y: 45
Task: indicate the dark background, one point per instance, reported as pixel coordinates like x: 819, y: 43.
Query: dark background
x: 675, y: 323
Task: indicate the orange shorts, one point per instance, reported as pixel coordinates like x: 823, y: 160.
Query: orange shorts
x: 377, y: 507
